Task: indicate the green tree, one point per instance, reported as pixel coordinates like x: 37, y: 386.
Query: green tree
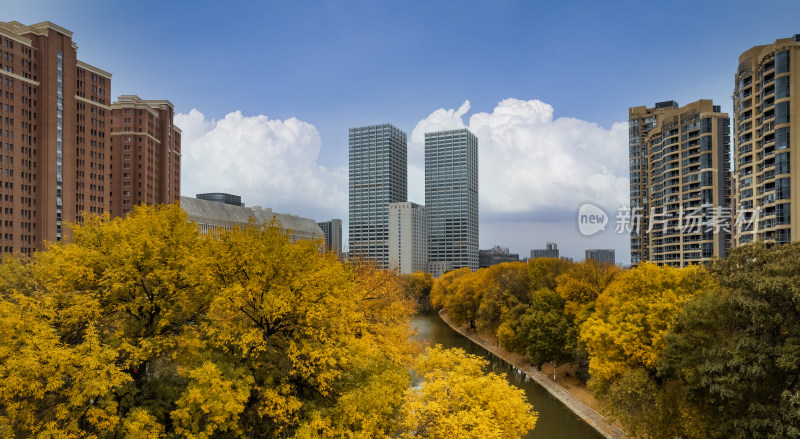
x: 647, y: 407
x: 738, y: 351
x: 546, y: 333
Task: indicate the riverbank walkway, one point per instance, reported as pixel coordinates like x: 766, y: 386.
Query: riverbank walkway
x: 591, y: 417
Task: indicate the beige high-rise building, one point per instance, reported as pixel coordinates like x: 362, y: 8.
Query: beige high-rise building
x: 680, y: 183
x: 408, y: 237
x: 767, y: 153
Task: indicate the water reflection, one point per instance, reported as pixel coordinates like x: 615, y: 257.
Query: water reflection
x: 555, y: 420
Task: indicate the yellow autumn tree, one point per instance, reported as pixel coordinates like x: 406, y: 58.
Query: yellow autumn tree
x: 325, y: 344
x: 444, y: 287
x: 417, y: 285
x: 581, y: 284
x: 106, y: 313
x: 633, y: 315
x: 503, y: 287
x: 543, y: 272
x: 457, y: 399
x: 144, y: 328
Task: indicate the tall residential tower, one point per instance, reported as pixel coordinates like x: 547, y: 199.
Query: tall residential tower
x: 145, y: 154
x: 767, y: 155
x: 451, y: 197
x: 680, y: 183
x: 378, y: 176
x: 54, y: 121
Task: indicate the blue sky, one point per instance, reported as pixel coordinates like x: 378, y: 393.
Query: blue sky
x: 337, y: 64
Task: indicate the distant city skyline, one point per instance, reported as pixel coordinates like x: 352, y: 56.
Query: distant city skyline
x: 265, y: 92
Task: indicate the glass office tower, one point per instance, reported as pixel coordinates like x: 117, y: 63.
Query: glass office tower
x: 451, y: 197
x: 378, y: 176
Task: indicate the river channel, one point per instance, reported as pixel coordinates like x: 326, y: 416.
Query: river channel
x: 555, y: 419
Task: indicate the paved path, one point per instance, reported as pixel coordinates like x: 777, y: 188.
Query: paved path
x: 591, y: 417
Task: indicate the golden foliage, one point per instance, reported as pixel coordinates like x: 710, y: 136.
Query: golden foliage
x: 144, y: 328
x: 457, y: 400
x: 581, y: 284
x: 633, y: 315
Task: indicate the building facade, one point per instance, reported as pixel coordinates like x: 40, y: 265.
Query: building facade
x: 496, y: 255
x: 378, y: 176
x: 145, y: 154
x: 641, y: 120
x: 408, y: 237
x: 220, y: 197
x: 680, y: 183
x: 451, y: 197
x: 438, y: 268
x: 551, y: 251
x: 54, y: 119
x: 210, y: 215
x: 602, y: 256
x: 333, y: 236
x: 767, y: 153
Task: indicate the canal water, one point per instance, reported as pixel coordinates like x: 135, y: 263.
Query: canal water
x: 555, y: 419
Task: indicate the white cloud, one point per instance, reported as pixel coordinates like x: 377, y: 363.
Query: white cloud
x: 531, y: 163
x: 440, y: 120
x: 269, y: 162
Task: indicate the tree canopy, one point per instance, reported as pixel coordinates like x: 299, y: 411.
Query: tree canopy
x: 143, y: 327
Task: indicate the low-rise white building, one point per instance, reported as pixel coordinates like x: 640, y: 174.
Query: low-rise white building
x: 408, y: 237
x: 209, y: 215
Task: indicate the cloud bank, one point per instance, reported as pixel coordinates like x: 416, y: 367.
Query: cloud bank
x: 535, y: 169
x: 533, y: 166
x: 269, y: 162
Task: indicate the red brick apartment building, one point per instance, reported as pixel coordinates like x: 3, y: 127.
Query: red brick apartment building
x: 145, y: 154
x: 56, y: 140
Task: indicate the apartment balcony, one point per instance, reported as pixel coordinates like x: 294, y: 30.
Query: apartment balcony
x: 766, y: 117
x: 766, y: 92
x: 769, y: 164
x: 745, y: 138
x: 746, y: 149
x: 744, y: 172
x: 766, y: 153
x: 688, y: 190
x: 746, y: 160
x: 765, y: 128
x: 766, y: 224
x: 766, y: 105
x: 743, y: 105
x: 745, y: 126
x: 745, y: 93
